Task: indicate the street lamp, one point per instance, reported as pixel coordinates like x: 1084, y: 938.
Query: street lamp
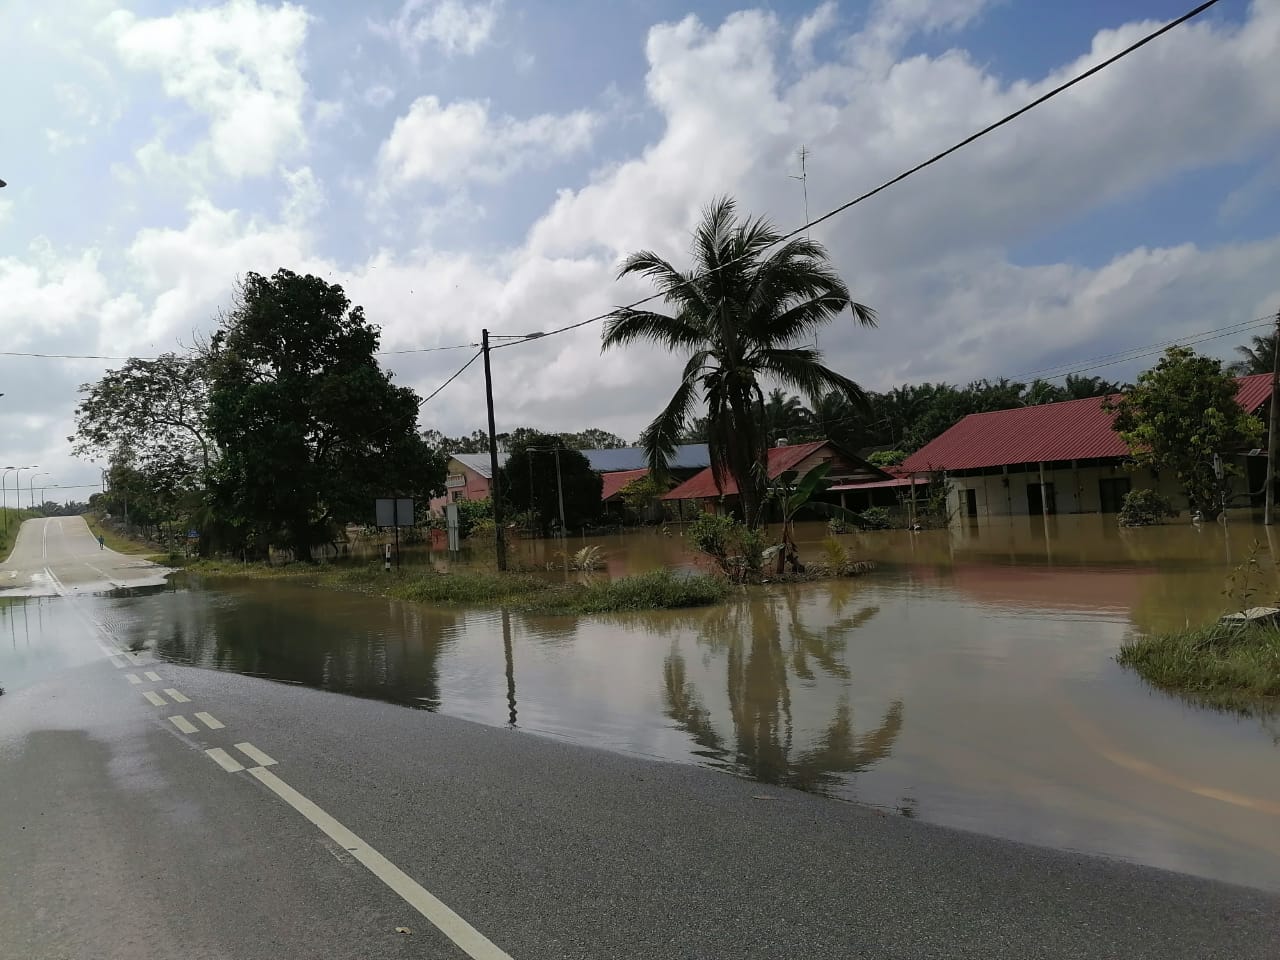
x: 17, y: 489
x: 31, y: 494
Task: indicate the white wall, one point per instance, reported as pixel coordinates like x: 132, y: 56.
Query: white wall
x: 1075, y: 490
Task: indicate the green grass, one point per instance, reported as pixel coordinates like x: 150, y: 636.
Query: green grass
x: 13, y: 519
x: 660, y: 590
x: 120, y: 543
x: 1231, y: 668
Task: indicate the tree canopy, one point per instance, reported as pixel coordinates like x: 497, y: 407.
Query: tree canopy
x: 311, y: 429
x: 529, y: 481
x: 1180, y: 414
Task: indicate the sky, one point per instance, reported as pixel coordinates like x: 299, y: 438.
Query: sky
x: 463, y: 164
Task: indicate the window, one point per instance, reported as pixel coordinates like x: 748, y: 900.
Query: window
x: 459, y: 495
x: 1111, y: 493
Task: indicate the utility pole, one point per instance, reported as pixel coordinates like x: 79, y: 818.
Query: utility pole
x: 564, y: 534
x: 499, y: 536
x: 1269, y: 509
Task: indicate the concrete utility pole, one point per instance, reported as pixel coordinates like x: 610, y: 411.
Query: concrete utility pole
x: 1268, y: 510
x: 499, y: 535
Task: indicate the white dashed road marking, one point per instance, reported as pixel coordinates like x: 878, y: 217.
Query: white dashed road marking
x: 183, y: 724
x: 155, y: 698
x: 224, y: 760
x: 152, y: 676
x: 210, y: 721
x: 254, y: 754
x: 118, y: 661
x: 473, y: 943
x: 133, y: 678
x: 177, y: 697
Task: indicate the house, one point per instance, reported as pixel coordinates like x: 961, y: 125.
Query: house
x: 848, y: 471
x: 470, y: 478
x: 1054, y: 458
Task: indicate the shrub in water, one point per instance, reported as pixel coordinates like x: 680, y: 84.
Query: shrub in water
x: 877, y: 518
x: 1142, y: 508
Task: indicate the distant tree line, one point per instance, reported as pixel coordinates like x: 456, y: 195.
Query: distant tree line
x: 593, y: 438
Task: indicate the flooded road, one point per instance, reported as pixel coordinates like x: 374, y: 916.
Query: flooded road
x: 968, y: 682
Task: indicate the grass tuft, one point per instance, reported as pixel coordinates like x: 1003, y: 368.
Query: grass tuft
x: 1231, y: 668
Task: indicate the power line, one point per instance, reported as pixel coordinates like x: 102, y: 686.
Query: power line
x: 803, y: 228
x: 457, y: 373
x: 1230, y: 328
x: 393, y: 353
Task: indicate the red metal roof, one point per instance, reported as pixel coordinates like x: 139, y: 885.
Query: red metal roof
x: 781, y: 459
x: 615, y: 481
x: 1072, y: 430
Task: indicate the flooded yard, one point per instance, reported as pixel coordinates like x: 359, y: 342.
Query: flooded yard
x: 969, y: 681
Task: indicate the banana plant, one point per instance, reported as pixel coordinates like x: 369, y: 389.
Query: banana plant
x: 797, y: 496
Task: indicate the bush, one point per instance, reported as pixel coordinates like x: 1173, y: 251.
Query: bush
x: 1143, y: 508
x: 887, y: 458
x: 735, y: 547
x: 877, y: 518
x: 838, y: 525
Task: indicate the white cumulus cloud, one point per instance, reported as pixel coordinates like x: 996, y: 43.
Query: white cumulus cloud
x: 453, y: 26
x: 450, y: 143
x: 239, y: 64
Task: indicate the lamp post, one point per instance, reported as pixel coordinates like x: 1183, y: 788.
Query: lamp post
x: 31, y: 493
x: 4, y: 480
x: 17, y: 484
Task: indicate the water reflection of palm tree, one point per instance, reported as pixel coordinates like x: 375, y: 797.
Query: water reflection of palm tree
x: 759, y: 694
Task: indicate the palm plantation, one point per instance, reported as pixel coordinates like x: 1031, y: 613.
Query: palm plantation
x: 741, y: 315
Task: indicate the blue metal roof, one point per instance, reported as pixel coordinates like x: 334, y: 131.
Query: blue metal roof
x: 688, y: 456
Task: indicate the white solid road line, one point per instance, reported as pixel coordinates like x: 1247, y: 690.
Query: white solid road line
x: 155, y: 698
x: 254, y: 754
x: 152, y: 676
x: 210, y: 721
x: 473, y: 943
x: 133, y: 678
x: 177, y: 697
x: 225, y: 760
x: 183, y: 724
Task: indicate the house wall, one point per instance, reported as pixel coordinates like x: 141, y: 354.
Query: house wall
x: 473, y: 486
x: 1076, y: 490
x: 842, y: 471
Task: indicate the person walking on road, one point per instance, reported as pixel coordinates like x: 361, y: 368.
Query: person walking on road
x: 102, y: 544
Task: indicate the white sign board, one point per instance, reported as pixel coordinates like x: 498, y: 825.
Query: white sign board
x: 451, y: 522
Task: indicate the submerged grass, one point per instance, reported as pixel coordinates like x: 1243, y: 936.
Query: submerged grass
x: 659, y: 590
x: 1231, y: 668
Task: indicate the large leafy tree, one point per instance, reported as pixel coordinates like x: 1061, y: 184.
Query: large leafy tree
x: 529, y: 480
x: 311, y: 429
x: 741, y: 315
x: 1178, y: 415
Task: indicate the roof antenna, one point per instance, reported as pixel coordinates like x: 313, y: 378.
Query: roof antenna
x: 804, y: 185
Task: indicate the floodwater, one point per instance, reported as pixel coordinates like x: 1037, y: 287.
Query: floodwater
x: 969, y: 681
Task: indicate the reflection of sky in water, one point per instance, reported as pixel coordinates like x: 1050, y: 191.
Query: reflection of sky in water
x: 969, y: 681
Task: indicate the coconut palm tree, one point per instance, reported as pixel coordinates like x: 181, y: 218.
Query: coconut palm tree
x: 784, y: 415
x: 741, y: 315
x: 1255, y: 357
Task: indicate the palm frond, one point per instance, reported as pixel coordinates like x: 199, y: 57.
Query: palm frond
x: 625, y: 326
x: 663, y: 434
x: 801, y: 368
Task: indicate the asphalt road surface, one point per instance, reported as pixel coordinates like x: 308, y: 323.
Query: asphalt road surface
x: 60, y: 556
x: 153, y: 810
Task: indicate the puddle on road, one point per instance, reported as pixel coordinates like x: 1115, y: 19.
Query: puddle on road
x: 968, y: 682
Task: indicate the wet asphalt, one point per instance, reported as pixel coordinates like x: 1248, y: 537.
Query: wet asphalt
x: 122, y: 838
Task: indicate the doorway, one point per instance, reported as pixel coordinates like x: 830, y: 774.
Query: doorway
x: 971, y: 502
x: 1111, y: 493
x: 1041, y: 499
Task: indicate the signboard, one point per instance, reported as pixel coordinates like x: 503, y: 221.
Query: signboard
x: 451, y: 523
x: 393, y: 513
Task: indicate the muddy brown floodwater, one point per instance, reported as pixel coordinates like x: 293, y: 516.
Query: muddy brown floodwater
x: 969, y: 681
